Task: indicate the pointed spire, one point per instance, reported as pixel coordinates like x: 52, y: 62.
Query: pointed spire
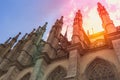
x: 12, y: 42
x: 107, y: 23
x: 78, y: 18
x: 101, y: 9
x: 79, y: 13
x: 31, y: 32
x: 66, y: 32
x: 7, y: 40
x: 61, y: 19
x: 24, y: 36
x: 38, y: 29
x: 16, y: 37
x: 56, y: 21
x: 99, y: 5
x: 45, y: 25
x: 88, y: 33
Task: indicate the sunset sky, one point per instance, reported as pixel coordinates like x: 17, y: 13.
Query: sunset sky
x: 24, y: 15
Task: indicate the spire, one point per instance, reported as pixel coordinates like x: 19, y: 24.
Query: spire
x: 30, y: 34
x: 107, y: 23
x: 61, y: 19
x: 101, y: 9
x: 78, y: 18
x: 38, y: 29
x: 14, y: 39
x: 40, y: 33
x: 66, y: 32
x: 7, y: 40
x: 77, y: 28
x: 88, y: 33
x: 32, y: 31
x: 99, y: 5
x: 56, y: 22
x: 45, y: 25
x: 24, y: 36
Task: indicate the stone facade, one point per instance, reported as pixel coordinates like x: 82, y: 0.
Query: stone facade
x: 85, y: 57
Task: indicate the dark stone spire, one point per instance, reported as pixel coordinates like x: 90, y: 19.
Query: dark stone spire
x: 38, y: 29
x: 14, y: 39
x: 30, y: 34
x: 107, y: 23
x: 61, y: 19
x: 7, y: 40
x: 24, y: 36
x: 45, y: 25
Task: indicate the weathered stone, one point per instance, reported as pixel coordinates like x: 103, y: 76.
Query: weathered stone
x: 5, y: 64
x: 39, y: 69
x: 116, y: 46
x: 49, y: 50
x: 25, y: 58
x: 12, y: 73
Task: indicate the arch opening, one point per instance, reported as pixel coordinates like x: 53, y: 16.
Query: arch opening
x: 58, y: 73
x: 100, y: 69
x: 26, y: 77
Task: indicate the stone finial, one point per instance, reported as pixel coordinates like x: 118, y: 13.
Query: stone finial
x: 7, y: 40
x: 99, y: 4
x: 30, y: 34
x: 56, y: 21
x: 24, y: 36
x: 16, y: 37
x: 32, y: 31
x: 45, y: 25
x: 38, y: 29
x: 61, y: 19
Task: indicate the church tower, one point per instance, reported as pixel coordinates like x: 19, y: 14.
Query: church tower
x: 107, y: 23
x: 76, y: 48
x: 93, y: 57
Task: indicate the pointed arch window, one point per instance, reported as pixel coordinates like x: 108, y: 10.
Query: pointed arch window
x: 58, y: 73
x: 26, y: 77
x: 100, y: 69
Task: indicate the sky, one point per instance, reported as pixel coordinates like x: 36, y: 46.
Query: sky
x: 24, y: 15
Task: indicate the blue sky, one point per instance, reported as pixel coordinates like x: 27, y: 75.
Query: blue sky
x: 24, y: 15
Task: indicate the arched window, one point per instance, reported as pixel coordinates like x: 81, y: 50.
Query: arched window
x: 100, y: 69
x: 26, y: 77
x: 57, y: 74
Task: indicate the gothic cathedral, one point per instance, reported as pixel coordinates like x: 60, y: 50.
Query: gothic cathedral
x: 85, y: 57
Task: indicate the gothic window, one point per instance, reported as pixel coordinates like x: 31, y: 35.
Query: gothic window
x: 100, y: 70
x: 26, y: 77
x: 58, y: 74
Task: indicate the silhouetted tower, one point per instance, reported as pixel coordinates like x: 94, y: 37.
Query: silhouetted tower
x: 53, y: 37
x: 9, y: 45
x: 49, y: 49
x: 107, y: 23
x: 80, y: 41
x: 79, y: 35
